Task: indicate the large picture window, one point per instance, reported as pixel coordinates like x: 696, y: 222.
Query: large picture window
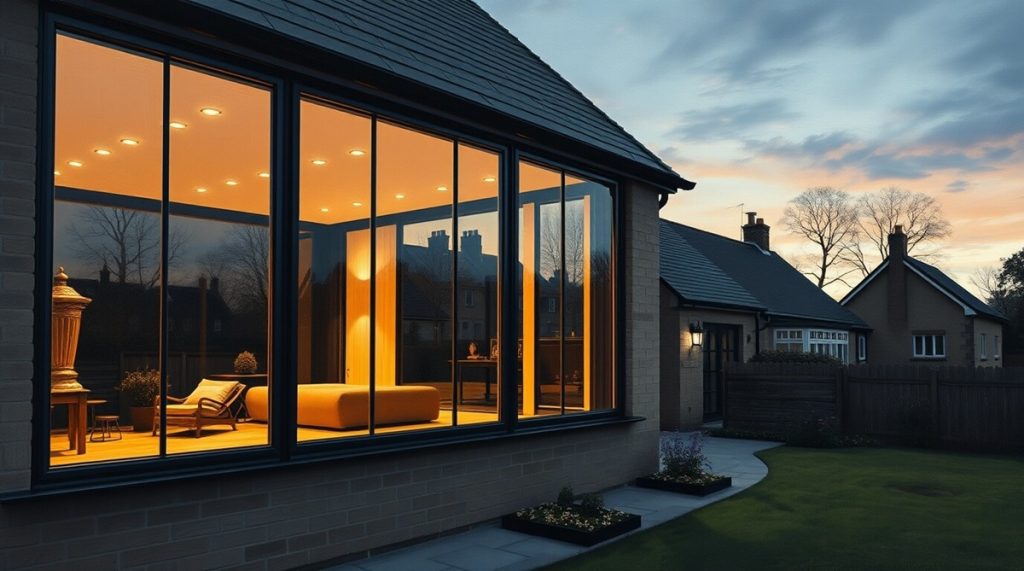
x: 398, y: 251
x: 186, y: 263
x: 565, y: 291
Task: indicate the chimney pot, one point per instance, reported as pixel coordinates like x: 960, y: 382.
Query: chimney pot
x: 756, y: 231
x: 750, y: 217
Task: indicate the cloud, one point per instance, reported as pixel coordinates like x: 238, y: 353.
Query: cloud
x: 958, y: 185
x: 813, y: 148
x: 730, y: 121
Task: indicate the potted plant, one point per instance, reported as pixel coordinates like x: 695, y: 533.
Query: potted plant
x: 141, y: 388
x: 582, y: 520
x: 686, y: 469
x: 245, y: 363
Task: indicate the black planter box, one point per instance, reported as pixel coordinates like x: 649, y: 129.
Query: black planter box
x: 579, y: 537
x: 683, y: 488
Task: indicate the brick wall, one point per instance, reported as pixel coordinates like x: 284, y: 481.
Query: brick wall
x: 18, y: 74
x: 294, y: 515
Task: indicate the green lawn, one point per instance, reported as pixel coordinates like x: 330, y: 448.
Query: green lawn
x: 854, y: 508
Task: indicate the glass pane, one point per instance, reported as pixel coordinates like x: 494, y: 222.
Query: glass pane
x: 218, y: 264
x: 477, y: 380
x: 106, y: 236
x: 334, y: 272
x: 413, y: 272
x: 589, y: 285
x: 539, y: 284
x: 940, y: 345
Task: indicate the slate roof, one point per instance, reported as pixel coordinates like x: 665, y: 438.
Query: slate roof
x: 954, y: 289
x: 711, y: 270
x: 449, y: 45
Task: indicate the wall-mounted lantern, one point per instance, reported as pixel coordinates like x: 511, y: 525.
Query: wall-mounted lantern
x: 696, y: 333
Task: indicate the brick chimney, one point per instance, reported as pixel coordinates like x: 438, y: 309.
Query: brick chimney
x: 896, y: 294
x: 472, y: 245
x: 755, y: 231
x: 438, y: 242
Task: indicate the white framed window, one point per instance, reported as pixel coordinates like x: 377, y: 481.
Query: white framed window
x: 862, y: 348
x: 821, y: 341
x: 984, y: 346
x: 930, y: 346
x: 995, y: 347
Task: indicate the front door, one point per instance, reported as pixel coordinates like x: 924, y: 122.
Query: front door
x: 721, y: 345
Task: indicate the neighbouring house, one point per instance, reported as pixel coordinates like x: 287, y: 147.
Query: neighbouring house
x: 737, y: 298
x: 288, y: 178
x: 918, y: 314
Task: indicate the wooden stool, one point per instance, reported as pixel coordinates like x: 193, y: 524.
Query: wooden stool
x: 106, y: 425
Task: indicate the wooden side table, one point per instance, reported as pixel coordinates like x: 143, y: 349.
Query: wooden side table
x: 77, y: 402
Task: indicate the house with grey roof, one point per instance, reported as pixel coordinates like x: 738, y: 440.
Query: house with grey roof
x: 726, y: 300
x: 918, y: 314
x: 309, y: 164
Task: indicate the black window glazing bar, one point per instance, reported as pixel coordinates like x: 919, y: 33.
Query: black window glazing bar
x: 508, y: 226
x: 561, y: 294
x: 164, y: 236
x: 455, y: 284
x: 373, y: 276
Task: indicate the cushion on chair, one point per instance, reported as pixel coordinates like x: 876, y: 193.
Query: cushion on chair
x: 181, y: 409
x: 216, y: 390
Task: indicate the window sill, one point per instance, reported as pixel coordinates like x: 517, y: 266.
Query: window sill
x: 171, y: 471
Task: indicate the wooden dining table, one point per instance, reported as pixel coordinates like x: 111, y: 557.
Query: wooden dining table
x: 77, y: 403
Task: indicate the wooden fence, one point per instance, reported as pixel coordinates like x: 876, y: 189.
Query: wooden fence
x: 957, y: 407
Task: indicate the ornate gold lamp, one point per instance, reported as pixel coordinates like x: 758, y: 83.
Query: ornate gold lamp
x: 65, y: 327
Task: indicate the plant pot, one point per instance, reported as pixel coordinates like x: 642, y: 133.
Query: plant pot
x: 142, y: 418
x: 711, y: 487
x: 577, y: 536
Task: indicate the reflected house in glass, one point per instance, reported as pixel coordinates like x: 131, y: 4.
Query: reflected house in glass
x: 356, y: 194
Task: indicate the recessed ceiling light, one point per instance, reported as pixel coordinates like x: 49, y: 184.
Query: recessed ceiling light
x: 210, y: 111
x: 130, y: 142
x: 442, y: 188
x: 177, y: 125
x: 319, y: 162
x: 263, y: 174
x: 56, y: 173
x: 200, y: 190
x: 357, y: 204
x: 231, y: 182
x: 75, y: 163
x: 102, y: 152
x: 323, y: 210
x: 489, y: 179
x: 399, y: 196
x: 357, y: 152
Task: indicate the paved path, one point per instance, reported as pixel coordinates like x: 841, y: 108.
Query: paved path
x: 490, y: 548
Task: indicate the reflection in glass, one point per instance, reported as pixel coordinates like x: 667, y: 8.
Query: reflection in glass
x: 106, y: 234
x: 218, y: 264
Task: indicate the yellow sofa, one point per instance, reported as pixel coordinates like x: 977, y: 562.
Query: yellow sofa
x: 340, y: 406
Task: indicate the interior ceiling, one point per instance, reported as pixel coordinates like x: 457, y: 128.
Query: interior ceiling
x: 105, y: 95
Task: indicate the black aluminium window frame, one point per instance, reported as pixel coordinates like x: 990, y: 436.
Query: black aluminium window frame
x: 287, y: 89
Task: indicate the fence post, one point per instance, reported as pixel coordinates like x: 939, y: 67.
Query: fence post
x: 840, y: 398
x: 933, y: 398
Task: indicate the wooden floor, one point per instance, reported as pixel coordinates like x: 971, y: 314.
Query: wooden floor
x: 135, y: 445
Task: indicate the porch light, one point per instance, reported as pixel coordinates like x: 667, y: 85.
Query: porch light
x: 696, y: 333
x: 210, y: 111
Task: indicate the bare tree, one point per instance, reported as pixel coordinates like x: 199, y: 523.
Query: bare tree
x: 551, y: 246
x: 126, y: 241
x: 919, y: 214
x: 242, y: 263
x: 827, y: 217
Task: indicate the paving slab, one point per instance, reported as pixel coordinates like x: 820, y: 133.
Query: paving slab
x: 491, y: 548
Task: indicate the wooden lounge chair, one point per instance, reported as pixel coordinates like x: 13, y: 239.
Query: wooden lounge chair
x: 210, y: 403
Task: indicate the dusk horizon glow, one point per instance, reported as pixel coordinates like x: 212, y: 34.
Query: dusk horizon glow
x: 756, y: 102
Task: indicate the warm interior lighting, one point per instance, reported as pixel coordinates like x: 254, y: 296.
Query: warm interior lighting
x: 231, y: 182
x: 489, y: 179
x: 130, y: 142
x: 177, y: 125
x: 357, y: 204
x: 56, y: 173
x: 210, y: 111
x: 357, y: 152
x: 399, y: 196
x: 442, y: 188
x: 263, y: 174
x: 75, y: 163
x: 200, y: 190
x: 324, y: 210
x: 319, y: 162
x: 102, y: 152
